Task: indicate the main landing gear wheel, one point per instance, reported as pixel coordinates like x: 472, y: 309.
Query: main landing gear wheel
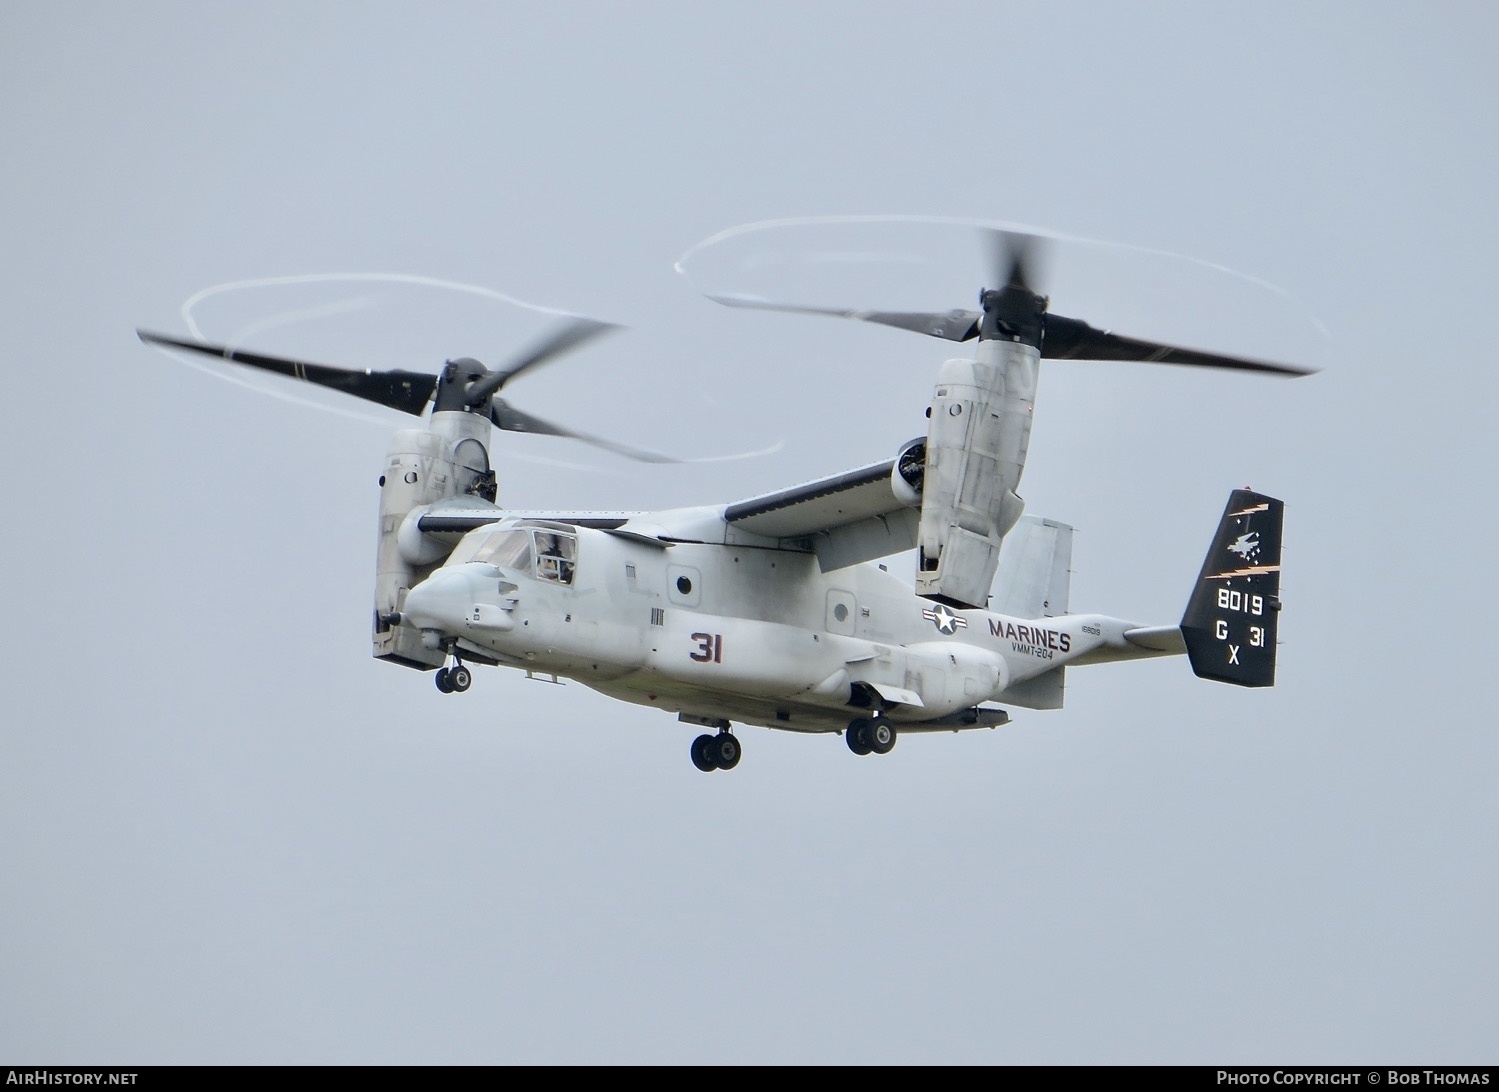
x: 702, y: 754
x: 726, y: 750
x: 720, y: 752
x: 856, y: 735
x: 870, y: 736
x: 442, y: 681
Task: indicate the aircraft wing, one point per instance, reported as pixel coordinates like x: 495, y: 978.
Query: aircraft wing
x: 451, y: 518
x: 844, y: 519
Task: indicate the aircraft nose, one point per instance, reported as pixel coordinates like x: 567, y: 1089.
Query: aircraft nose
x: 443, y: 601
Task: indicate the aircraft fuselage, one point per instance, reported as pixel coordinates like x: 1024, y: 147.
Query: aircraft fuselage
x: 730, y: 633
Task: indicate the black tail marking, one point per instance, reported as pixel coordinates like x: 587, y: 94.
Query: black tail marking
x: 1231, y: 619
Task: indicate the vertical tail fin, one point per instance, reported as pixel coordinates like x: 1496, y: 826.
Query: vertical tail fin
x: 1231, y: 620
x: 1035, y: 570
x: 1035, y: 581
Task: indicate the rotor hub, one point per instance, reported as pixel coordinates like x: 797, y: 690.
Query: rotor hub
x: 1012, y: 313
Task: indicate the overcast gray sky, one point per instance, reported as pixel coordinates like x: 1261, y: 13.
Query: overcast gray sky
x: 228, y: 835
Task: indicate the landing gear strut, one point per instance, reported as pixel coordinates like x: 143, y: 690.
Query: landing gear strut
x: 866, y: 736
x: 720, y: 752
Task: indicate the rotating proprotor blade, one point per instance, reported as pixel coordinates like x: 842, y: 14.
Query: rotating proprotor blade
x: 465, y: 384
x: 1014, y: 310
x: 482, y: 394
x: 1010, y: 258
x: 571, y: 333
x: 509, y: 419
x: 1017, y: 259
x: 948, y: 325
x: 1073, y: 339
x: 406, y: 391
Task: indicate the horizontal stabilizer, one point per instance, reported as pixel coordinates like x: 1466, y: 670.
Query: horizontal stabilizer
x: 1163, y: 639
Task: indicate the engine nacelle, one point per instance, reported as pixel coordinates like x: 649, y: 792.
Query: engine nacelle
x: 421, y: 466
x: 908, y: 475
x: 975, y: 452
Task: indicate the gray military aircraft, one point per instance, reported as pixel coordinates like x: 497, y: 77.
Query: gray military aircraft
x: 777, y: 611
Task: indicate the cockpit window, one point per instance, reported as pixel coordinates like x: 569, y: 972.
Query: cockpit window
x: 548, y: 554
x: 556, y: 556
x: 471, y: 544
x: 507, y: 549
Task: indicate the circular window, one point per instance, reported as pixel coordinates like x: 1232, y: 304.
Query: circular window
x: 840, y: 612
x: 684, y: 585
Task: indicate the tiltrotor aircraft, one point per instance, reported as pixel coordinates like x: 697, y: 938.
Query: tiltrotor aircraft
x: 775, y: 610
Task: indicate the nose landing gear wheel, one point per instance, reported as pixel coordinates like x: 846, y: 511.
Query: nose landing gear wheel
x: 454, y: 680
x: 881, y: 737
